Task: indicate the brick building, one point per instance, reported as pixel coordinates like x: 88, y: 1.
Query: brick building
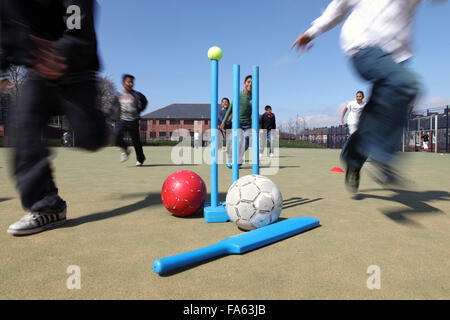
x: 160, y: 124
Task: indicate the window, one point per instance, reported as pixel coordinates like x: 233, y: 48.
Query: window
x: 143, y: 125
x: 174, y: 121
x: 162, y: 121
x: 152, y: 134
x: 206, y: 122
x: 154, y: 121
x: 188, y: 121
x: 163, y: 134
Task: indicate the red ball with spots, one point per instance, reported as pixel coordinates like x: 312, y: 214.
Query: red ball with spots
x: 183, y: 193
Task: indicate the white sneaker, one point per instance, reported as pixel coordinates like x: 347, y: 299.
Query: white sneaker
x: 260, y: 155
x: 139, y: 164
x: 34, y: 222
x: 272, y: 155
x: 124, y: 156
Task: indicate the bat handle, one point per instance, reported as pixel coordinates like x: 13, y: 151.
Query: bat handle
x: 184, y: 259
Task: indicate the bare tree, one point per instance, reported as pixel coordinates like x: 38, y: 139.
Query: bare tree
x: 298, y: 127
x: 8, y: 98
x: 17, y: 76
x: 293, y: 128
x: 282, y: 127
x: 107, y: 92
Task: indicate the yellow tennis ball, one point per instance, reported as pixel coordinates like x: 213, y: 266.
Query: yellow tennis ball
x: 215, y: 53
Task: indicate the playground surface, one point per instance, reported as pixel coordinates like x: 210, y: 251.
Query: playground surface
x: 117, y: 226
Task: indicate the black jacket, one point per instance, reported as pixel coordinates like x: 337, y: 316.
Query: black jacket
x: 221, y: 114
x: 266, y: 122
x: 48, y: 19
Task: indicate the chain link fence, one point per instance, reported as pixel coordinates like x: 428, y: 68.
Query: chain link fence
x: 428, y: 132
x: 431, y: 128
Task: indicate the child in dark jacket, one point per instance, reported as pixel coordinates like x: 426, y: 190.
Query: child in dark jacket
x: 268, y: 123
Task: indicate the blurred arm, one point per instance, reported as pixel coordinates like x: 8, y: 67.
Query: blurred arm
x: 142, y: 101
x: 227, y: 114
x: 331, y: 17
x: 343, y: 114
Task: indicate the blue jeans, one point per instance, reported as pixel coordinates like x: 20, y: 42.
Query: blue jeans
x: 244, y: 134
x: 385, y: 114
x: 247, y: 134
x: 264, y: 138
x: 40, y: 100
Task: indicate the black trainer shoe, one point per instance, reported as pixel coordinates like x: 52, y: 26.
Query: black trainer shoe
x: 352, y: 179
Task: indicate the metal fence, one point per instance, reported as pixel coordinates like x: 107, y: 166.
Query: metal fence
x: 435, y: 124
x: 333, y: 138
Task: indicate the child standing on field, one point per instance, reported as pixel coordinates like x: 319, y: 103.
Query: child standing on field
x: 245, y: 121
x: 267, y: 123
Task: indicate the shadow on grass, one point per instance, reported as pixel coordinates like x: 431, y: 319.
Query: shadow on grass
x: 150, y: 200
x: 249, y: 167
x: 279, y: 167
x: 297, y: 201
x: 414, y: 200
x: 5, y: 199
x: 167, y: 165
x: 155, y: 199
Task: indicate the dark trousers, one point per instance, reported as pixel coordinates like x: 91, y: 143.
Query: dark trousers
x: 132, y: 127
x: 39, y: 100
x: 385, y: 114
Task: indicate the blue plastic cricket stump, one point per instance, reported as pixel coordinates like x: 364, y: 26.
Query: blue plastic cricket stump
x: 214, y: 211
x: 215, y: 214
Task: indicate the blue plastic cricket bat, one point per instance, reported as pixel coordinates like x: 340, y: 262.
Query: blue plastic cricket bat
x: 238, y: 244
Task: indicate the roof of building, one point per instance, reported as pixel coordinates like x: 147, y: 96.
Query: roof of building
x: 182, y: 111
